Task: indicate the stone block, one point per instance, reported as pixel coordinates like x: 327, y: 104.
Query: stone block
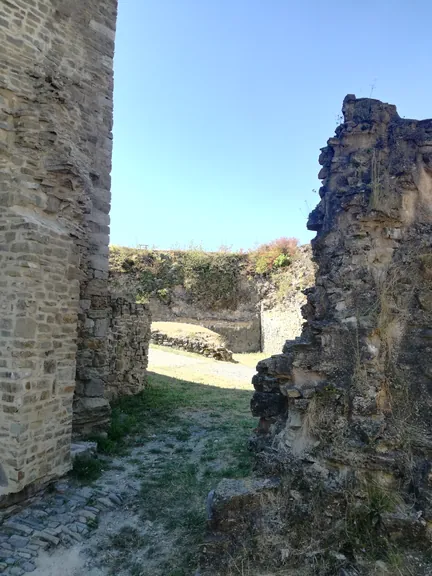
x: 25, y: 328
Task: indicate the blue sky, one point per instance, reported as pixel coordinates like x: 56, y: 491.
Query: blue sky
x: 221, y: 107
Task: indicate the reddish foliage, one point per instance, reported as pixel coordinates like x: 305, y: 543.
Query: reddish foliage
x: 266, y: 255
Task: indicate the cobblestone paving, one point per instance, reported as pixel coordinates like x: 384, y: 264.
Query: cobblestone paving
x: 63, y: 517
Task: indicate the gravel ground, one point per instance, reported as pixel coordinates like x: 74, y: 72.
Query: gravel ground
x: 166, y: 362
x: 67, y: 532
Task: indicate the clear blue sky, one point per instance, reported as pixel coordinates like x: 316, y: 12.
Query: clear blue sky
x: 221, y: 107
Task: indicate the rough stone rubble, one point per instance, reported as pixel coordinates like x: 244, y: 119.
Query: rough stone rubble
x: 346, y: 408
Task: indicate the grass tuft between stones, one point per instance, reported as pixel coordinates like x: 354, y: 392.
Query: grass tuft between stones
x: 87, y: 468
x: 181, y: 437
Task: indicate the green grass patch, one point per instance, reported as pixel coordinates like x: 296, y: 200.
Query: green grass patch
x: 87, y: 468
x: 201, y: 432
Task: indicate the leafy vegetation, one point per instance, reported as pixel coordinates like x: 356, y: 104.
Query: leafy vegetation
x: 211, y: 279
x: 270, y: 257
x: 185, y: 436
x: 364, y: 518
x: 87, y: 468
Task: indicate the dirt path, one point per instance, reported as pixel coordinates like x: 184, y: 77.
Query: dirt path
x: 166, y: 449
x: 205, y: 369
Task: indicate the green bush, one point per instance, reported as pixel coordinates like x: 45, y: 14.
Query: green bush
x: 87, y: 468
x: 276, y: 254
x: 281, y: 261
x: 212, y: 280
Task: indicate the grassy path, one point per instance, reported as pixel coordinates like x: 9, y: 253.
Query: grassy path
x: 166, y: 449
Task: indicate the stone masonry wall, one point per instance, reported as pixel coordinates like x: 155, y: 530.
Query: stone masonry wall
x: 347, y: 407
x: 240, y: 327
x: 55, y: 139
x: 280, y: 316
x: 192, y: 344
x: 128, y: 344
x: 267, y: 310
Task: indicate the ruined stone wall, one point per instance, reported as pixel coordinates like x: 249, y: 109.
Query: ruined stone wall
x: 280, y: 308
x: 128, y: 343
x: 345, y: 410
x: 55, y: 138
x: 264, y: 312
x: 368, y: 316
x: 240, y: 327
x: 192, y: 343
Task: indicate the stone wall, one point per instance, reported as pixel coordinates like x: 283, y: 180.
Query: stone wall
x: 192, y: 344
x: 280, y: 308
x: 128, y: 343
x: 348, y: 405
x: 55, y: 138
x: 240, y: 326
x: 266, y: 310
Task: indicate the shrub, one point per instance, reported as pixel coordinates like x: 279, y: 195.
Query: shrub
x: 212, y: 280
x: 86, y: 468
x: 276, y: 254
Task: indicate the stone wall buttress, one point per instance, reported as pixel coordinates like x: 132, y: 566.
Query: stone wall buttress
x: 56, y: 82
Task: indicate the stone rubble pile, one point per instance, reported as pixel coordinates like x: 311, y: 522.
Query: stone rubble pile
x: 192, y: 345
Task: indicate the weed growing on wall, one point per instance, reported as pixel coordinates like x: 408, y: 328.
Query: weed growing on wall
x: 213, y: 280
x: 268, y: 258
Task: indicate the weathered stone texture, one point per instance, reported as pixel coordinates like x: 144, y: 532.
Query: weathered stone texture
x: 193, y: 344
x: 265, y: 313
x: 128, y: 344
x: 280, y: 313
x: 346, y: 408
x: 239, y: 326
x: 368, y: 319
x: 55, y: 139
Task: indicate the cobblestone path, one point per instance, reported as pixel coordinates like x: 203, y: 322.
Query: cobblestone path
x: 63, y: 517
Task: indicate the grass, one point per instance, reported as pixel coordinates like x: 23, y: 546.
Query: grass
x: 189, y: 436
x: 363, y: 521
x: 250, y: 359
x: 211, y: 279
x: 175, y: 351
x: 183, y: 330
x: 87, y: 468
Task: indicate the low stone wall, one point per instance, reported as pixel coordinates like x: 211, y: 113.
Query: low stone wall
x: 280, y: 313
x: 239, y: 324
x: 239, y: 328
x: 128, y: 343
x: 263, y: 312
x: 193, y: 345
x: 239, y: 337
x: 126, y: 347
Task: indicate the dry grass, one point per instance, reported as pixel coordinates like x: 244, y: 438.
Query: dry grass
x: 182, y: 330
x: 379, y: 197
x: 251, y: 359
x: 181, y: 437
x: 204, y: 372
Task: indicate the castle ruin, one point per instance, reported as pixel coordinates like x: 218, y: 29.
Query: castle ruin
x: 59, y: 327
x: 345, y: 410
x: 346, y: 407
